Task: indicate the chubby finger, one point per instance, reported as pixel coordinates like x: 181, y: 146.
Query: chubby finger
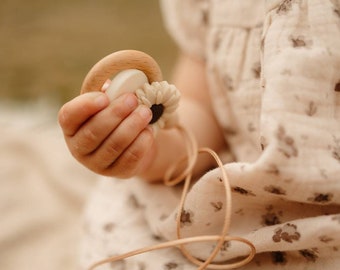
x: 132, y: 160
x: 94, y: 132
x: 77, y: 111
x: 122, y: 137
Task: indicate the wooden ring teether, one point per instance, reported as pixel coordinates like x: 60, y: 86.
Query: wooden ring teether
x: 116, y: 62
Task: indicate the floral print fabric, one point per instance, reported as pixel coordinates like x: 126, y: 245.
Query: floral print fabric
x: 274, y: 73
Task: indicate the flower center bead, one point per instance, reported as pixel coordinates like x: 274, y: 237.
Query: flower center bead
x: 157, y: 111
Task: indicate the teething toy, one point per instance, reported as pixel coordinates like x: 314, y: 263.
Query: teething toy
x: 137, y: 72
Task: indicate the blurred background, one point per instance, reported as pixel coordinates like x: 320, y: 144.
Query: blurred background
x: 47, y: 47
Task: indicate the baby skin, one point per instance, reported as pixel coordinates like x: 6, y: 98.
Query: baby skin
x: 115, y: 139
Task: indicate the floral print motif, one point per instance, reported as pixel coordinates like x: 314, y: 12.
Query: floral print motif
x: 312, y: 109
x: 300, y: 42
x: 186, y: 217
x: 243, y: 191
x: 336, y: 148
x: 275, y: 190
x: 286, y: 143
x: 170, y: 266
x: 133, y: 201
x: 284, y: 7
x: 225, y: 246
x: 270, y: 219
x: 228, y: 82
x: 256, y: 69
x: 337, y: 87
x: 263, y: 144
x: 321, y: 198
x: 287, y: 233
x: 279, y: 258
x: 156, y: 237
x: 218, y: 39
x: 217, y: 206
x: 337, y: 12
x: 325, y: 239
x: 311, y: 255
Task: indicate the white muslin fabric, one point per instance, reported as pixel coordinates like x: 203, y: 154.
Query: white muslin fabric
x: 273, y: 69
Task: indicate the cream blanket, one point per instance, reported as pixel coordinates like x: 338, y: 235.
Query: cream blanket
x: 274, y: 74
x: 42, y: 192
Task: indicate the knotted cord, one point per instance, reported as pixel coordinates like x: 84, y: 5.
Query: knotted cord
x: 110, y: 65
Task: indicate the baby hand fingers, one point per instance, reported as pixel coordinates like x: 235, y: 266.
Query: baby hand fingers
x: 131, y: 160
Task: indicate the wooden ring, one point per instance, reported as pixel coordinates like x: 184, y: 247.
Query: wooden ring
x: 113, y: 63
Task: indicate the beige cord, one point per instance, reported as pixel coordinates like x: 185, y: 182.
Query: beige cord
x: 192, y: 152
x: 94, y: 81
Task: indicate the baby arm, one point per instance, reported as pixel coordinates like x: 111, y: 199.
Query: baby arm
x: 195, y: 114
x: 114, y: 139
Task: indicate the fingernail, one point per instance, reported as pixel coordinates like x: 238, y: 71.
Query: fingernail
x: 131, y: 101
x: 101, y: 101
x: 144, y: 112
x: 106, y: 85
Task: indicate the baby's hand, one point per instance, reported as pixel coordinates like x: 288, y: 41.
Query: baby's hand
x: 111, y: 139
